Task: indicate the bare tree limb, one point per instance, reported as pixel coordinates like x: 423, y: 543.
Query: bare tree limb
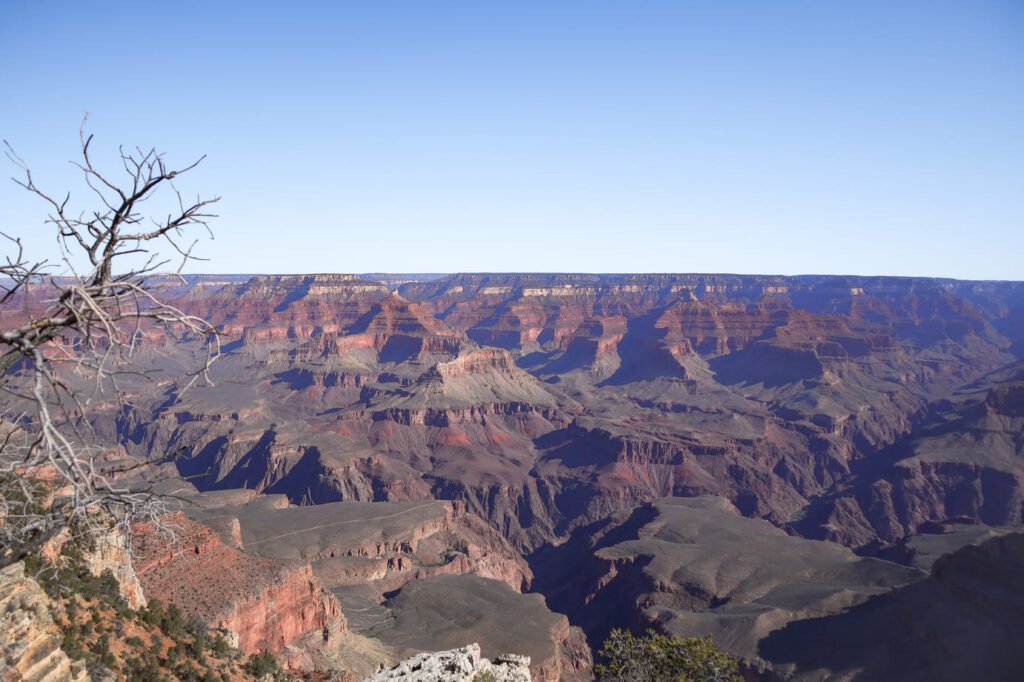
x: 86, y: 324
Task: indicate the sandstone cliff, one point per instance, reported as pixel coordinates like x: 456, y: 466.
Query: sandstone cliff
x: 30, y: 647
x: 263, y: 603
x: 111, y: 553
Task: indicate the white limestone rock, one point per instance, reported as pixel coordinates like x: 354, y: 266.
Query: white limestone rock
x: 457, y: 665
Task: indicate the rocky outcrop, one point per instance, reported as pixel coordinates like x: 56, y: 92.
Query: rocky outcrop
x: 457, y: 665
x: 110, y: 553
x: 30, y: 641
x: 264, y: 604
x: 282, y: 611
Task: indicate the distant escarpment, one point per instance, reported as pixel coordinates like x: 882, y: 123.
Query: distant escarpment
x: 381, y: 544
x: 545, y: 402
x: 792, y: 608
x: 963, y: 461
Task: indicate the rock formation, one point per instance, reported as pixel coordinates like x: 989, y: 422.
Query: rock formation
x: 110, y: 553
x: 457, y: 665
x: 30, y: 642
x: 383, y: 544
x: 264, y: 604
x: 455, y: 576
x: 438, y: 612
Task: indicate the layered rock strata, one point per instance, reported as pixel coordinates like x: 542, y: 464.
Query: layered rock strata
x: 382, y: 544
x: 264, y: 604
x: 545, y: 402
x: 30, y: 642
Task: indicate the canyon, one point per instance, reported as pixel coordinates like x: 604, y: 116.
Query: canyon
x: 526, y: 461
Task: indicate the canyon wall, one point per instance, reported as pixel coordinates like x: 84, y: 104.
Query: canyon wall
x: 546, y: 402
x: 262, y: 603
x: 546, y: 408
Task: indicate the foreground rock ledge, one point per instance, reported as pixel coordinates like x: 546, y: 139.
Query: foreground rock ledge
x: 29, y: 639
x: 457, y: 665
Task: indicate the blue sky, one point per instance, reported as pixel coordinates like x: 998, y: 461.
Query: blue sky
x: 770, y: 137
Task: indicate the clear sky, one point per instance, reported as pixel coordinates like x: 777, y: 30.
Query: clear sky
x: 631, y: 136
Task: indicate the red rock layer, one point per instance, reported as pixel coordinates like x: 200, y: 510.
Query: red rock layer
x: 265, y: 603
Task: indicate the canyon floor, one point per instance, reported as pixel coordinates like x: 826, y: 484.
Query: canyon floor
x: 824, y: 473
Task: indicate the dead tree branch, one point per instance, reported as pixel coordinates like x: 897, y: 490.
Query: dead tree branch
x: 86, y: 316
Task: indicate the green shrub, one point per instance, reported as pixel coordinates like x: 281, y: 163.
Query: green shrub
x: 200, y: 643
x: 143, y: 669
x: 153, y: 612
x: 71, y: 645
x: 659, y: 658
x: 220, y: 647
x: 173, y: 623
x: 103, y: 653
x: 262, y: 664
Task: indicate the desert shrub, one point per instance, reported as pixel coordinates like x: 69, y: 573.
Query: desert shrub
x: 261, y: 664
x: 86, y: 629
x: 109, y: 590
x: 220, y: 647
x: 186, y: 672
x: 173, y: 623
x: 659, y: 658
x: 199, y: 644
x: 103, y: 653
x: 71, y: 644
x: 143, y: 669
x: 153, y: 612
